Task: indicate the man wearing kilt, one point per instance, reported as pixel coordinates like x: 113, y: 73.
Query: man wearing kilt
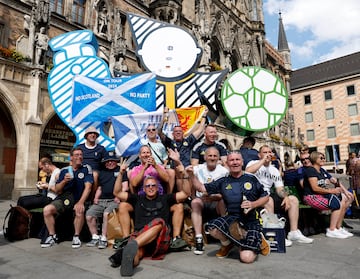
x: 151, y: 236
x: 242, y: 194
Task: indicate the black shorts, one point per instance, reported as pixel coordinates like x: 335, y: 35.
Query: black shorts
x: 278, y: 209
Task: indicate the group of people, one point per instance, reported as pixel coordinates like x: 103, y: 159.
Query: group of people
x: 231, y: 184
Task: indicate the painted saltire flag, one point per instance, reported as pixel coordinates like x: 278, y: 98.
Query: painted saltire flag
x: 130, y: 130
x: 99, y: 99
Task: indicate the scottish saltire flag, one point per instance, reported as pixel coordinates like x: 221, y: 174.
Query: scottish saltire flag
x: 130, y: 130
x: 99, y: 99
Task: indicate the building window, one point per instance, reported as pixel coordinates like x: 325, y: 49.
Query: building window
x: 327, y: 95
x: 307, y: 99
x: 310, y: 135
x: 354, y: 129
x: 352, y: 109
x: 308, y: 117
x: 331, y: 132
x: 2, y: 33
x: 332, y: 153
x: 57, y: 6
x: 78, y: 11
x: 354, y: 147
x: 350, y: 90
x: 329, y: 113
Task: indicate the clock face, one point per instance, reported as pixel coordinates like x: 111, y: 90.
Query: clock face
x: 169, y: 52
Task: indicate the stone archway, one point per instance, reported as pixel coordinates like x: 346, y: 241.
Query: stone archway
x: 7, y: 152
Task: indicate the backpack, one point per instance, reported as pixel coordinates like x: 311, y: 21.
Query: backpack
x: 17, y: 223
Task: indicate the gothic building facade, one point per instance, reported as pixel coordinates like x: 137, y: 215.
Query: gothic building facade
x: 230, y: 32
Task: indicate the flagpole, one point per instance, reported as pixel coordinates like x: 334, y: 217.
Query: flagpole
x: 335, y: 157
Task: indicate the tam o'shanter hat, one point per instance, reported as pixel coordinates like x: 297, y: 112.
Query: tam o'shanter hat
x: 110, y: 156
x: 91, y: 129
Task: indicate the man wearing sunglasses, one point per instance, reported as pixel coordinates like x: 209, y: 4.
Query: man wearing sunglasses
x: 151, y: 236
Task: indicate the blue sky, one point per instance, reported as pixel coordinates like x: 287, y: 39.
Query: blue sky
x: 316, y: 30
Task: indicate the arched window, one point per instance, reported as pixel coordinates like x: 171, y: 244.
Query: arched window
x: 78, y: 11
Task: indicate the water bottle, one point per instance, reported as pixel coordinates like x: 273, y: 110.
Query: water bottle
x: 246, y: 210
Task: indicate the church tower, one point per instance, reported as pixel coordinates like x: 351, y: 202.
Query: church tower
x: 283, y: 46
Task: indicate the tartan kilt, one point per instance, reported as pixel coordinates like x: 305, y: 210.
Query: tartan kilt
x: 252, y: 241
x: 162, y: 241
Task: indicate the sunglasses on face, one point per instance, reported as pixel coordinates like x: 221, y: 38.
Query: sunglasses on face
x: 151, y: 130
x: 150, y: 185
x: 322, y: 158
x: 304, y: 159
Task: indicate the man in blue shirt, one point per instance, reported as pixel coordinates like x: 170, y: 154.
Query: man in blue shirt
x: 73, y: 188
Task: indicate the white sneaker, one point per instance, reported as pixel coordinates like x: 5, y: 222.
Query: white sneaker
x: 346, y: 232
x: 76, y: 243
x: 288, y: 242
x: 299, y: 237
x: 335, y: 234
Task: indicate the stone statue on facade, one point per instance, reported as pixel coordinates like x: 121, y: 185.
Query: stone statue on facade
x: 103, y: 21
x: 228, y: 62
x: 41, y: 46
x: 120, y: 65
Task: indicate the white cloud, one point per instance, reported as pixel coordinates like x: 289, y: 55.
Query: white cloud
x: 324, y: 29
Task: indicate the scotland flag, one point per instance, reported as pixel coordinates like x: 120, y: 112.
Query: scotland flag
x: 130, y: 130
x: 98, y: 99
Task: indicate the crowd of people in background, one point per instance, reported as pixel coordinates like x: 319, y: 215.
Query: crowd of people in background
x: 172, y: 170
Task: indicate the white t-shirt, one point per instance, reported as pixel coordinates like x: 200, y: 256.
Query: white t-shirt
x: 206, y: 176
x: 54, y: 175
x: 267, y: 176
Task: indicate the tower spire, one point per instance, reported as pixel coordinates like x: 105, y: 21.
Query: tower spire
x: 283, y: 46
x: 282, y: 41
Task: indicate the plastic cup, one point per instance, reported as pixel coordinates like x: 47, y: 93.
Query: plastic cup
x: 70, y: 171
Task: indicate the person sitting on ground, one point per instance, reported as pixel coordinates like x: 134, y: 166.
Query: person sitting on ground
x: 104, y: 201
x: 149, y: 167
x: 48, y: 194
x: 280, y: 202
x: 151, y: 222
x: 210, y: 139
x: 247, y: 150
x: 320, y: 196
x: 73, y: 188
x: 206, y: 173
x: 242, y: 194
